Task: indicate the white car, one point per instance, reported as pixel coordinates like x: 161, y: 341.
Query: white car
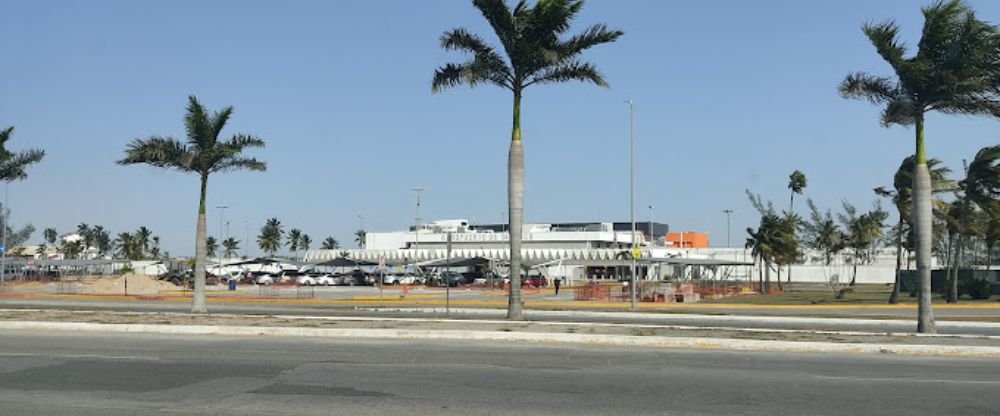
x: 326, y: 280
x: 265, y: 279
x: 305, y: 280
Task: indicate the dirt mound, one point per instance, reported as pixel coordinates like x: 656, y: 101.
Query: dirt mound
x: 137, y: 285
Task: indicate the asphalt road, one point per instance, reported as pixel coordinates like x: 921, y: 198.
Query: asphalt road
x: 103, y: 374
x: 742, y: 319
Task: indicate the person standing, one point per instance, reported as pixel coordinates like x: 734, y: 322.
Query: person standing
x: 558, y: 283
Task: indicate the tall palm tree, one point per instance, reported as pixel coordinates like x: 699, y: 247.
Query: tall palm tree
x: 203, y: 153
x: 270, y: 236
x: 330, y: 244
x: 902, y: 198
x: 980, y: 187
x: 796, y: 184
x: 360, y: 237
x: 954, y: 71
x: 294, y: 241
x: 534, y: 52
x: 992, y: 235
x: 982, y: 179
x: 231, y: 246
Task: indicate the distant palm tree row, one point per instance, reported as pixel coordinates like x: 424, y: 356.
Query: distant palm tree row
x: 965, y: 228
x: 138, y: 245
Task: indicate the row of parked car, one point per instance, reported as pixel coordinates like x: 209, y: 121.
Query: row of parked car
x: 361, y: 278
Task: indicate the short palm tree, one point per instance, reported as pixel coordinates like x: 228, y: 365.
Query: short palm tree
x: 901, y: 197
x: 360, y: 237
x: 305, y: 242
x: 330, y: 244
x: 534, y: 52
x: 270, y: 236
x: 954, y: 71
x: 294, y: 241
x: 50, y: 235
x: 203, y: 153
x: 143, y: 235
x: 231, y: 246
x: 982, y: 179
x: 211, y: 246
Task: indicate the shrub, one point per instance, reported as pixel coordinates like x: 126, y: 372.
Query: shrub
x: 975, y: 288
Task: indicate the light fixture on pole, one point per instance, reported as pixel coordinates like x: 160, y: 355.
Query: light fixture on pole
x: 631, y: 108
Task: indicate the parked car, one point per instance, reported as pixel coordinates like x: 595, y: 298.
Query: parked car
x: 305, y: 280
x: 358, y: 278
x: 329, y: 280
x: 395, y: 279
x: 448, y: 278
x: 266, y: 279
x: 535, y: 281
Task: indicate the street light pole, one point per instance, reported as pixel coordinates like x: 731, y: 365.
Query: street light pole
x: 416, y: 219
x: 728, y: 212
x: 222, y: 215
x: 652, y: 239
x: 631, y: 108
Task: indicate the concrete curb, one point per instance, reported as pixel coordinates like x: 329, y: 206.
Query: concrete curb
x: 586, y: 339
x: 736, y: 318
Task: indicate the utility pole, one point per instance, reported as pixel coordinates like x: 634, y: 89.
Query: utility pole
x: 652, y: 238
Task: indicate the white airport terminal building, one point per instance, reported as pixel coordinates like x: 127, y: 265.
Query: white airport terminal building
x: 582, y: 251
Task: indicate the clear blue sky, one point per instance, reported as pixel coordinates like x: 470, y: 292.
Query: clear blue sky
x: 730, y: 95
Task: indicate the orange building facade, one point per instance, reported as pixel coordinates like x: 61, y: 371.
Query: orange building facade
x: 687, y: 239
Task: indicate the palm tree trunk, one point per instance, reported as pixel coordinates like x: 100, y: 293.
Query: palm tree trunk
x: 767, y: 276
x: 515, y: 205
x: 953, y: 283
x: 894, y: 297
x: 778, y: 269
x: 198, y: 303
x: 989, y: 256
x: 922, y: 229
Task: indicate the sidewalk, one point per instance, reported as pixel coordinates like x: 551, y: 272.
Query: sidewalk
x: 596, y: 333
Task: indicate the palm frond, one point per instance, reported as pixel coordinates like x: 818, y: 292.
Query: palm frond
x: 198, y: 125
x: 900, y: 111
x: 571, y: 71
x: 875, y: 89
x: 239, y: 163
x: 501, y: 20
x: 592, y: 36
x: 219, y: 120
x: 471, y: 73
x: 14, y: 165
x: 885, y: 37
x: 161, y: 152
x: 941, y: 24
x: 486, y: 64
